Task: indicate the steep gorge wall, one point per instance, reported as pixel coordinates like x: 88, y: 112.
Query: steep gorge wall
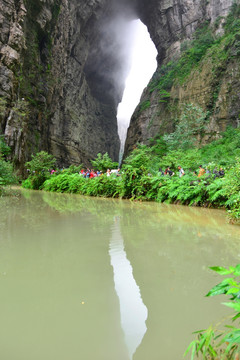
x: 60, y: 78
x: 90, y: 62
x: 214, y: 84
x: 63, y: 65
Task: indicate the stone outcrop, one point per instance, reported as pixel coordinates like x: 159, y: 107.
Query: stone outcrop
x: 63, y: 65
x: 213, y: 86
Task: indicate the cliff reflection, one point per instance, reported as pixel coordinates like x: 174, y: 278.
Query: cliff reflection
x: 55, y: 259
x: 132, y: 309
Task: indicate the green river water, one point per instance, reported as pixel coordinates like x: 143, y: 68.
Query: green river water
x: 102, y: 279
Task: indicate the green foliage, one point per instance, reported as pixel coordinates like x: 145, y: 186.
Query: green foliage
x: 73, y: 169
x: 39, y: 168
x: 232, y: 22
x: 191, y: 124
x: 75, y: 183
x: 144, y: 105
x: 221, y: 152
x: 7, y: 176
x: 187, y: 159
x: 141, y: 179
x: 63, y: 183
x: 187, y: 190
x: 104, y: 162
x: 42, y: 161
x: 4, y: 149
x: 192, y: 53
x: 158, y: 145
x: 139, y: 159
x: 224, y: 150
x: 232, y: 189
x: 221, y: 344
x: 134, y: 171
x: 27, y: 184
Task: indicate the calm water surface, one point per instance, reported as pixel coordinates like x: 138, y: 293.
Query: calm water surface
x: 98, y: 279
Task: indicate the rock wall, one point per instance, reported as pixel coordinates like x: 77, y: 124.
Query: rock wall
x: 63, y: 65
x: 90, y: 63
x: 60, y: 77
x: 214, y: 85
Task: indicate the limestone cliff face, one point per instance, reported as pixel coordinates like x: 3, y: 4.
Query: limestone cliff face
x: 89, y: 67
x: 63, y: 65
x: 214, y: 85
x: 53, y: 97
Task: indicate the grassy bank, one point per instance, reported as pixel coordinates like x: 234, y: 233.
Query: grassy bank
x: 141, y: 179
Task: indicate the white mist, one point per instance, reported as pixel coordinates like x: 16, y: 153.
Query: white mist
x: 143, y: 66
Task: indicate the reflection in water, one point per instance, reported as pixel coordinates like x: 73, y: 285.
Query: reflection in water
x: 54, y: 256
x: 132, y: 309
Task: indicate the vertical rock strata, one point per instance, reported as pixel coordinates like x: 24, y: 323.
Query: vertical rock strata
x: 63, y: 64
x: 214, y: 84
x: 52, y: 95
x: 87, y: 90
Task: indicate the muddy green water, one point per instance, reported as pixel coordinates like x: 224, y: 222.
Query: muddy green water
x: 99, y: 279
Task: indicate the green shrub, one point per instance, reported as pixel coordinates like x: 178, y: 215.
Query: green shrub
x: 75, y: 183
x: 40, y: 162
x: 192, y: 123
x: 39, y: 168
x: 4, y: 149
x: 104, y: 162
x: 7, y: 176
x: 27, y: 184
x: 73, y: 169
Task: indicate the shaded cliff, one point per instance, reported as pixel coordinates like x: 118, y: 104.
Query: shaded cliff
x: 63, y: 66
x: 61, y: 80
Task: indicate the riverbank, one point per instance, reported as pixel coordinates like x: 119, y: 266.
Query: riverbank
x: 188, y: 190
x: 141, y: 176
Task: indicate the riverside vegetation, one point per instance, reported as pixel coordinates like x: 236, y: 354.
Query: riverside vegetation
x: 215, y: 343
x: 140, y: 178
x: 7, y: 176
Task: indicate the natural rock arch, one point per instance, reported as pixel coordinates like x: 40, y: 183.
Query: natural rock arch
x: 67, y: 60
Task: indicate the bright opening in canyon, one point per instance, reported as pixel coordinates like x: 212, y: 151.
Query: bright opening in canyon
x: 143, y: 65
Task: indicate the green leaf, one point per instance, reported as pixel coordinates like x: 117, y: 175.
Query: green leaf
x: 199, y: 331
x: 189, y: 347
x: 237, y: 270
x: 221, y: 288
x: 236, y: 317
x: 233, y: 337
x: 193, y: 351
x: 221, y: 270
x: 212, y: 351
x: 235, y: 306
x: 230, y: 327
x: 233, y: 291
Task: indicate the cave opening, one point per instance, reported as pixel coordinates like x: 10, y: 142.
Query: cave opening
x: 143, y: 65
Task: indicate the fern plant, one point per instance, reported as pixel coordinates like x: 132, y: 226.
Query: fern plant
x: 213, y: 343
